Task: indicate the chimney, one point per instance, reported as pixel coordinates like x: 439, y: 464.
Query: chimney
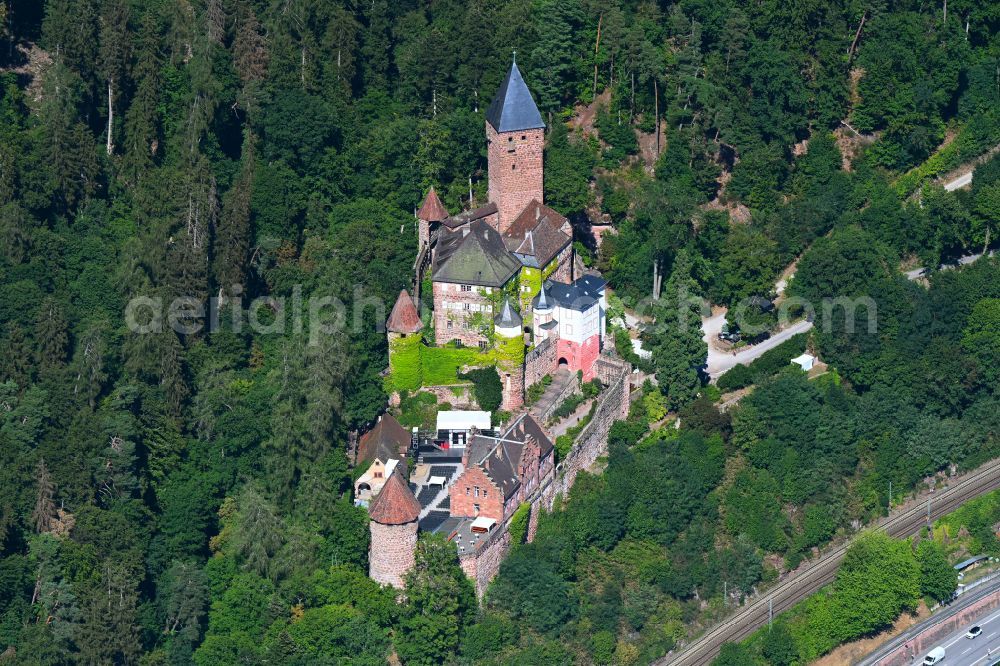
x: 538, y: 212
x: 465, y: 231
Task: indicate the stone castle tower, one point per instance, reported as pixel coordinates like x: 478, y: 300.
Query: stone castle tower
x: 510, y: 355
x: 515, y: 136
x: 431, y: 213
x: 392, y: 520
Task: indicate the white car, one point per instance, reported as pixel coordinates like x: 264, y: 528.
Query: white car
x: 974, y: 631
x: 935, y: 656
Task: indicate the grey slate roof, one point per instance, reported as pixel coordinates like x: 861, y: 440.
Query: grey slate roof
x: 513, y: 109
x: 579, y: 295
x: 542, y: 302
x: 474, y: 255
x: 528, y: 425
x: 467, y: 216
x: 499, y: 458
x: 508, y: 317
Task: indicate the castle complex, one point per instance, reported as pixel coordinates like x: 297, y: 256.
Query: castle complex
x: 508, y: 292
x: 505, y: 275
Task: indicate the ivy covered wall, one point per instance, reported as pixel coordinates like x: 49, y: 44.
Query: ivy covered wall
x: 412, y: 364
x: 405, y: 366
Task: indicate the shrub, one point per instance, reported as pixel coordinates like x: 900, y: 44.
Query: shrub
x: 535, y: 391
x: 487, y: 387
x: 519, y: 523
x: 418, y: 410
x: 768, y: 364
x: 739, y: 377
x: 567, y: 407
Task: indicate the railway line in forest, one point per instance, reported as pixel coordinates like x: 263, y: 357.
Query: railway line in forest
x: 807, y: 581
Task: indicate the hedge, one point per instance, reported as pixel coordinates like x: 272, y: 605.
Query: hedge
x: 769, y: 363
x: 441, y: 364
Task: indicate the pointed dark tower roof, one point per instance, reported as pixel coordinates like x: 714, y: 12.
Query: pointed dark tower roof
x: 404, y: 317
x: 432, y: 209
x: 395, y: 504
x: 508, y: 317
x: 542, y: 302
x: 513, y: 109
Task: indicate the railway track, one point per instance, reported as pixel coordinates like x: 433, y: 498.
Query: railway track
x: 786, y: 594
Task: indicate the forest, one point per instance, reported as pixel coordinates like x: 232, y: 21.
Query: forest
x: 185, y: 497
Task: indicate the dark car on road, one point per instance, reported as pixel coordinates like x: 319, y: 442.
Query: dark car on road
x: 730, y: 333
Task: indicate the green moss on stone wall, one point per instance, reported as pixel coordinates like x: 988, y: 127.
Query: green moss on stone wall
x: 519, y: 524
x: 509, y: 353
x: 405, y: 365
x: 442, y: 364
x: 532, y: 278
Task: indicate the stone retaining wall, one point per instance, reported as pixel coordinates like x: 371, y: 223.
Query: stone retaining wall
x: 915, y: 649
x: 464, y: 399
x: 483, y: 564
x: 592, y: 443
x: 539, y: 362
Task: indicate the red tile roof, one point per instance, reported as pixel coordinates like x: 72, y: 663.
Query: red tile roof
x: 539, y: 232
x: 388, y: 439
x: 395, y: 504
x: 432, y: 210
x: 404, y: 317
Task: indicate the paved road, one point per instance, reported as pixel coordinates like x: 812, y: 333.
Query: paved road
x: 959, y: 183
x: 959, y: 649
x: 721, y: 361
x: 814, y: 575
x: 961, y: 261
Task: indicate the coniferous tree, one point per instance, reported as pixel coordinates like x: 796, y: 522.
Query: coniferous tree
x: 45, y: 507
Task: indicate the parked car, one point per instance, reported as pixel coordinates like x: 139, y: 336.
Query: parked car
x: 730, y: 333
x: 974, y: 631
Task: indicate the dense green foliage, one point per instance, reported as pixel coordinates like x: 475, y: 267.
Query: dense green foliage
x: 878, y: 580
x: 768, y: 364
x: 487, y: 387
x: 247, y: 149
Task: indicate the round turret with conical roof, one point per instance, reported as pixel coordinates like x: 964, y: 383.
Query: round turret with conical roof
x: 392, y: 522
x: 510, y: 355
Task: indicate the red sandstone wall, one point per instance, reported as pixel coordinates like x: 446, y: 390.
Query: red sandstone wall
x: 515, y: 170
x: 462, y: 504
x: 564, y: 272
x: 391, y: 552
x: 482, y: 565
x: 460, y: 329
x: 513, y: 388
x: 580, y: 357
x: 539, y: 362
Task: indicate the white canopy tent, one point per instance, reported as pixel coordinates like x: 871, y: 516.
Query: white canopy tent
x: 805, y: 361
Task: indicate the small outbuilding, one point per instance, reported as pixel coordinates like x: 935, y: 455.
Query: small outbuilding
x: 453, y: 427
x: 805, y: 361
